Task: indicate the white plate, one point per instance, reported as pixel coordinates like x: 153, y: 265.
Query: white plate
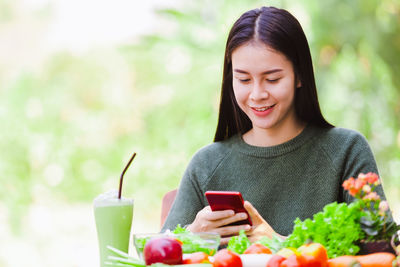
x: 255, y: 260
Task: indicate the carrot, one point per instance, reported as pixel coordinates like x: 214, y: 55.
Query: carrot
x: 344, y: 261
x: 379, y: 259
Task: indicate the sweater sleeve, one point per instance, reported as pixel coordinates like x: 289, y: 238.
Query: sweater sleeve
x: 359, y: 159
x: 188, y: 201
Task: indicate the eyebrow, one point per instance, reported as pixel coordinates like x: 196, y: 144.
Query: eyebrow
x: 265, y: 72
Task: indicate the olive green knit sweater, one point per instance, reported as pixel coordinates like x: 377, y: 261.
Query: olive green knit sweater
x: 294, y: 179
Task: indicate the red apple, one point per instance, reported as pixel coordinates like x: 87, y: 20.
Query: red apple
x: 163, y: 249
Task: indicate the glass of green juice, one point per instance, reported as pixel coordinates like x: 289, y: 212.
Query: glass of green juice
x: 113, y: 218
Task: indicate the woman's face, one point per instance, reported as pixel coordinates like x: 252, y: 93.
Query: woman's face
x: 264, y: 86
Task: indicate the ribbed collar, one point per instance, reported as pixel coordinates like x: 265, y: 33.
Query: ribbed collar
x: 273, y: 151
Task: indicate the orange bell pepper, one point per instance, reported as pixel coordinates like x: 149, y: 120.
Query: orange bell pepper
x: 314, y: 254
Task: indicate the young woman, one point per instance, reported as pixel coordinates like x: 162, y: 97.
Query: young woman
x: 272, y: 143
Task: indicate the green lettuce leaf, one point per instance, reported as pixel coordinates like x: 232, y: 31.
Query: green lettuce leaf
x: 337, y: 227
x: 239, y: 243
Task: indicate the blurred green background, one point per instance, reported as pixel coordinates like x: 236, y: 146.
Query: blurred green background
x: 84, y: 84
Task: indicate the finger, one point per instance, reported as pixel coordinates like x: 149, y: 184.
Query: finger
x: 251, y: 231
x: 236, y: 218
x: 220, y: 214
x: 232, y: 229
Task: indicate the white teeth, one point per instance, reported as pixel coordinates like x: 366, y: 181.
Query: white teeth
x: 263, y: 109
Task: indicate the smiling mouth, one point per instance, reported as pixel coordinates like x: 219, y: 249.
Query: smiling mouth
x: 264, y: 108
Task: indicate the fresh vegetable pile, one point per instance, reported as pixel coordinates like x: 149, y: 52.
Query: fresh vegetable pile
x: 330, y: 239
x: 165, y: 251
x: 309, y: 254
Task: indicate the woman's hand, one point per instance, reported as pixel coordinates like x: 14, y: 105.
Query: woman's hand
x: 214, y: 221
x: 260, y: 227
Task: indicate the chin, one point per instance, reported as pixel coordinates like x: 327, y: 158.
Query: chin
x: 263, y: 126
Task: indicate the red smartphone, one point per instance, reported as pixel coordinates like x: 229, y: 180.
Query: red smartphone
x: 228, y: 200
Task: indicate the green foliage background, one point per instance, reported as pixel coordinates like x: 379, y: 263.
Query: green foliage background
x: 69, y: 125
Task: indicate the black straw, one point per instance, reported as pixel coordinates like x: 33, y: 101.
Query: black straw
x: 122, y: 175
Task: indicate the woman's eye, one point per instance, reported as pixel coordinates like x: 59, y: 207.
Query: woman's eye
x: 244, y: 80
x: 273, y: 80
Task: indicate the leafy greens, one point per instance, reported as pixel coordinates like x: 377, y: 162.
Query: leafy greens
x: 194, y: 243
x: 239, y: 243
x: 274, y: 244
x: 337, y: 228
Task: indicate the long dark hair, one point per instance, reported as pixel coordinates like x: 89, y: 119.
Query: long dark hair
x: 278, y: 29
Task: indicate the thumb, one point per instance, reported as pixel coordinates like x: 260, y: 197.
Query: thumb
x: 261, y: 226
x: 256, y: 218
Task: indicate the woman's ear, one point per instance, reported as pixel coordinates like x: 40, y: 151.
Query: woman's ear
x: 298, y: 85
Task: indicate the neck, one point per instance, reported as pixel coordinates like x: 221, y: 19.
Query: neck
x: 274, y: 136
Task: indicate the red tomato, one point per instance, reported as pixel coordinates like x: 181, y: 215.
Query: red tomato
x: 197, y: 257
x: 225, y: 258
x: 257, y: 249
x: 293, y: 261
x: 275, y: 261
x: 315, y: 255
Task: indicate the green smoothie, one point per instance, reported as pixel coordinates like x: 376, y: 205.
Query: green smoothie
x: 113, y: 222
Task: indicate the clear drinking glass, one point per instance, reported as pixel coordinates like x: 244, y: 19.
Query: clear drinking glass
x: 113, y: 218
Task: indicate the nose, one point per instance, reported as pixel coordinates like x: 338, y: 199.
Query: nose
x: 258, y: 92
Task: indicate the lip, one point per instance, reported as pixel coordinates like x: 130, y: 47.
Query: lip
x: 264, y: 112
